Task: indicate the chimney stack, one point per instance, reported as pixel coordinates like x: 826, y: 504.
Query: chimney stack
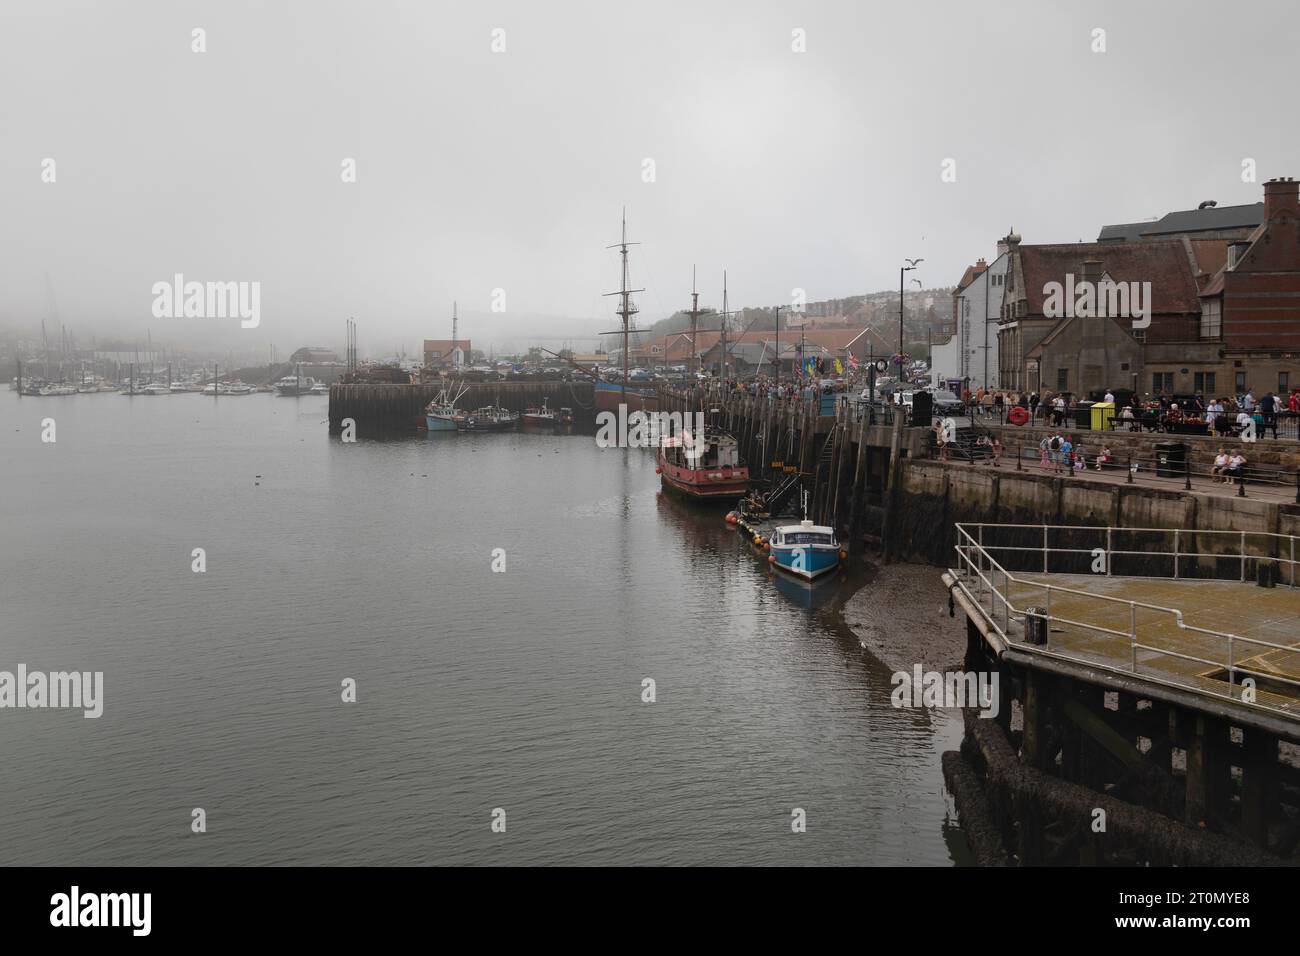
x: 1281, y: 199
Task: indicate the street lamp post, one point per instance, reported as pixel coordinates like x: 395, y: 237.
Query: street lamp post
x: 778, y: 345
x: 911, y: 264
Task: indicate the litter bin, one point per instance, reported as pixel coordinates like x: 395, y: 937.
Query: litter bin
x: 922, y: 409
x: 1083, y: 415
x: 1171, y: 459
x: 1103, y: 413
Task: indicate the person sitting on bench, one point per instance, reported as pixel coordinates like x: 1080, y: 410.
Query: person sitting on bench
x: 1220, y: 470
x: 1236, y: 466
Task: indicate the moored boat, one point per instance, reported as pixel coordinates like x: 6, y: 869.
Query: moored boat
x: 441, y: 414
x: 610, y: 395
x: 707, y: 468
x: 294, y: 385
x: 805, y: 549
x: 538, y: 418
x: 493, y: 418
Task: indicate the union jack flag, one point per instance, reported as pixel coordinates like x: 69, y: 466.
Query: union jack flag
x: 853, y: 361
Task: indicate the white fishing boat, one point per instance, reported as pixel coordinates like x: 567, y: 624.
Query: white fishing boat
x: 320, y: 388
x: 155, y: 388
x: 59, y: 390
x: 293, y: 385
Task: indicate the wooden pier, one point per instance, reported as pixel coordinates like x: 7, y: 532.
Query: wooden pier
x: 1158, y: 711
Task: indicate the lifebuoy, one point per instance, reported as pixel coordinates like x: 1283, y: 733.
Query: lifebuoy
x: 1017, y: 416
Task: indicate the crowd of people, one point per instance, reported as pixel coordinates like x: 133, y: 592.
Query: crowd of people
x: 1224, y: 416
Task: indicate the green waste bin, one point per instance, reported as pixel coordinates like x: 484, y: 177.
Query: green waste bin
x: 1103, y: 413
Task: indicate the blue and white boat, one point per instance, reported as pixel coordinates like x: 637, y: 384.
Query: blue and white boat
x: 805, y: 549
x: 441, y: 414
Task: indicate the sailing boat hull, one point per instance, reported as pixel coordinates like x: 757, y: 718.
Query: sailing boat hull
x: 610, y: 395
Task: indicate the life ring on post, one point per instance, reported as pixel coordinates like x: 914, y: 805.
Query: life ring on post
x: 1018, y: 416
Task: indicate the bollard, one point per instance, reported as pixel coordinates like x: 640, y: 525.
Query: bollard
x: 1020, y: 453
x: 1241, y: 484
x: 1187, y: 475
x: 1036, y: 625
x: 1130, y: 469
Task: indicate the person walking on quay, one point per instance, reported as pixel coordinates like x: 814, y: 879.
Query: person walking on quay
x: 1067, y: 455
x: 1033, y: 405
x: 1109, y: 397
x: 1045, y: 451
x: 1268, y: 411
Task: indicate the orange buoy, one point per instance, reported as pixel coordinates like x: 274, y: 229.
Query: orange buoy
x: 767, y: 546
x: 843, y: 555
x: 771, y: 559
x: 659, y: 471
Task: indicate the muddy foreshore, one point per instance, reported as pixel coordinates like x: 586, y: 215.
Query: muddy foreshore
x: 901, y: 616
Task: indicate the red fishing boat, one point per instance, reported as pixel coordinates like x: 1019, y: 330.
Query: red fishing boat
x: 707, y: 468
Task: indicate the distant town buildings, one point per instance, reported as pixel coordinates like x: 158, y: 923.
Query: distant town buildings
x: 446, y: 353
x: 311, y: 355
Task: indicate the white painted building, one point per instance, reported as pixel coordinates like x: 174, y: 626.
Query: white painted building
x: 971, y: 354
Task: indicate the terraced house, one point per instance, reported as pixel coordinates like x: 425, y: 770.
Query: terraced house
x: 1224, y: 309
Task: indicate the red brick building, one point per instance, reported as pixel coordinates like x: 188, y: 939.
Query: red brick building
x: 1225, y: 306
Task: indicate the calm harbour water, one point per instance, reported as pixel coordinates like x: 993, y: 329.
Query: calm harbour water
x: 476, y: 690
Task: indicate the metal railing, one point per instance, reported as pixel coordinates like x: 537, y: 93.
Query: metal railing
x: 1137, y: 467
x: 988, y: 584
x: 1283, y: 426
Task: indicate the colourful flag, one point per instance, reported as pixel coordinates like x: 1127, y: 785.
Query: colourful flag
x: 839, y: 367
x: 853, y: 361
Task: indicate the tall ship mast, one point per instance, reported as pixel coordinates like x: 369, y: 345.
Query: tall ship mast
x: 610, y: 395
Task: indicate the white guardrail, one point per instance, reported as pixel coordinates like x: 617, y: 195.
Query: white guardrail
x: 988, y: 585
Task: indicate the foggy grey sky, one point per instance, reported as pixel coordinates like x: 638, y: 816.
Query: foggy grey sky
x: 818, y: 170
